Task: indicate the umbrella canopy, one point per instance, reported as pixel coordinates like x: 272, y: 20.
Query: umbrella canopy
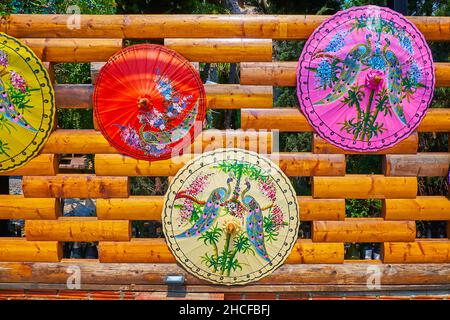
x: 27, y: 105
x: 365, y: 78
x: 230, y: 216
x: 149, y: 102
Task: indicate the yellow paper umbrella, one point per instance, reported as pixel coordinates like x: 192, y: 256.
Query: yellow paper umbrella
x: 27, y: 107
x: 230, y: 216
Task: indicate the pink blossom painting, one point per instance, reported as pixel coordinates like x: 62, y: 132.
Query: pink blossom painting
x: 365, y: 78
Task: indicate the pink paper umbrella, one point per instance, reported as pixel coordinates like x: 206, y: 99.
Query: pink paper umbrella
x: 365, y: 78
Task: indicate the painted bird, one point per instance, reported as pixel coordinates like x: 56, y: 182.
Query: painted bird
x: 210, y: 210
x: 351, y: 66
x: 169, y: 136
x: 254, y: 223
x: 395, y: 84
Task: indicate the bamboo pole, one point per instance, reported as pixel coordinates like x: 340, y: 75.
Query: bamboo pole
x: 420, y: 208
x: 130, y: 275
x: 420, y: 251
x: 75, y: 186
x: 156, y: 251
x: 429, y: 164
x: 74, y: 50
x: 293, y: 164
x: 218, y: 96
x: 21, y: 250
x: 43, y: 164
x: 363, y: 230
x: 362, y: 186
x: 150, y: 208
x: 407, y: 146
x: 283, y: 73
x: 292, y: 120
x: 78, y: 229
x: 222, y: 50
x: 278, y: 27
x: 306, y: 251
x: 87, y: 141
x: 18, y: 207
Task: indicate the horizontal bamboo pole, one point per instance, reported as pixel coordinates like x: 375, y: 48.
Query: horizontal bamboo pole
x: 321, y: 209
x: 308, y: 164
x: 234, y: 96
x: 42, y: 164
x: 136, y: 250
x: 74, y: 50
x: 78, y: 229
x: 73, y: 96
x: 77, y: 141
x: 363, y: 230
x: 133, y: 274
x: 21, y: 250
x: 429, y: 164
x: 293, y: 164
x: 90, y: 141
x: 190, y: 26
x: 18, y: 207
x: 420, y: 251
x: 409, y: 145
x: 132, y: 208
x: 306, y: 251
x: 156, y: 251
x: 362, y: 186
x: 218, y: 96
x: 75, y: 186
x: 420, y: 208
x: 150, y: 208
x: 292, y: 120
x: 436, y: 120
x: 222, y: 50
x: 283, y: 73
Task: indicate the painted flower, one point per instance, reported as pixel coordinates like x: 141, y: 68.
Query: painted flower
x: 130, y: 137
x: 277, y: 217
x: 414, y: 74
x: 374, y: 79
x: 231, y: 225
x: 17, y: 81
x: 198, y: 185
x: 325, y: 73
x: 377, y: 61
x: 234, y: 208
x: 267, y: 188
x: 3, y: 59
x: 405, y: 42
x: 337, y: 42
x: 186, y: 210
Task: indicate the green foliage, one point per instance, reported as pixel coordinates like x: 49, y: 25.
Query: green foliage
x: 295, y: 142
x: 211, y: 237
x: 361, y: 164
x: 20, y: 98
x: 433, y: 186
x: 238, y: 168
x: 285, y: 97
x: 196, y: 212
x: 361, y: 208
x: 270, y: 231
x: 287, y: 50
x: 4, y: 147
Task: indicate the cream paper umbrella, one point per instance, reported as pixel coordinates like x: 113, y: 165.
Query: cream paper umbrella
x: 230, y: 216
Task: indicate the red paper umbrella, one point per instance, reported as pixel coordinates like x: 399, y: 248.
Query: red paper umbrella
x: 149, y: 102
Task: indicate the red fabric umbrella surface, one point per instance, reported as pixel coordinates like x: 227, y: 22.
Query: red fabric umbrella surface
x: 149, y: 102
